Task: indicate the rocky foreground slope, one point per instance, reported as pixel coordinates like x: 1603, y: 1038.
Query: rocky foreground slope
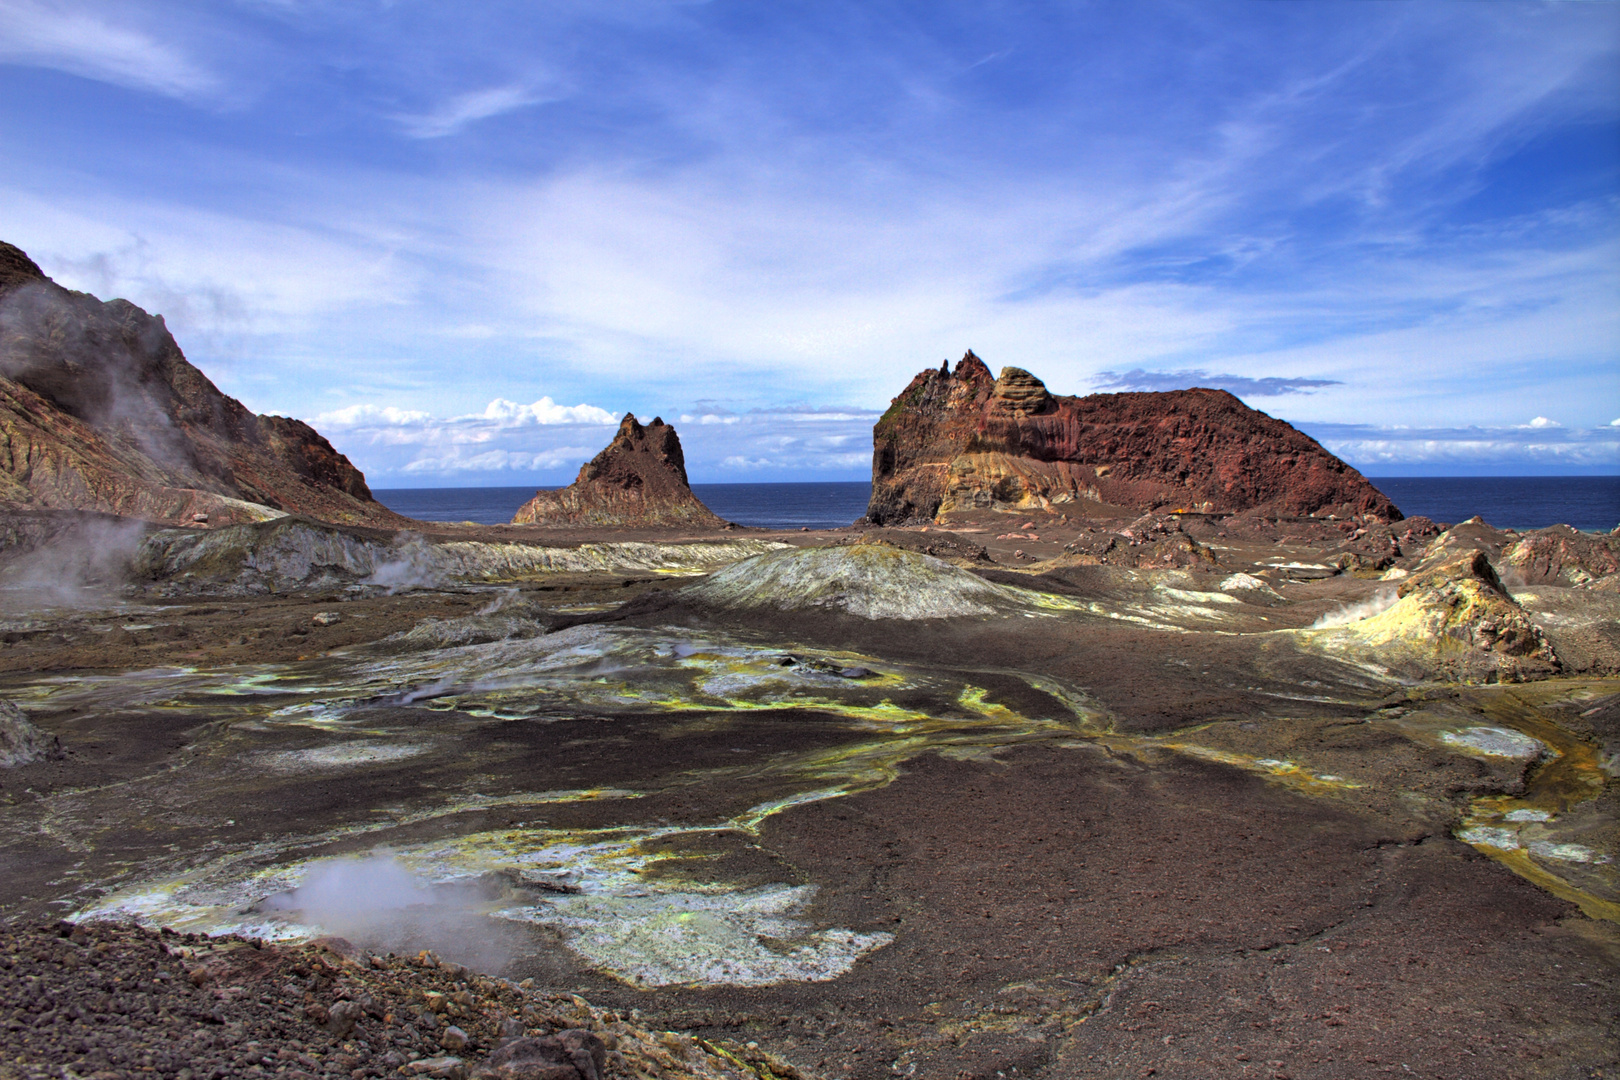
x: 103, y: 1000
x: 639, y: 479
x: 964, y: 440
x: 101, y: 411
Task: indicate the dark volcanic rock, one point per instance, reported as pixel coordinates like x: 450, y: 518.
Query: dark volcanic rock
x: 956, y: 441
x: 20, y: 741
x: 1561, y: 555
x: 101, y: 999
x: 639, y: 479
x: 101, y: 411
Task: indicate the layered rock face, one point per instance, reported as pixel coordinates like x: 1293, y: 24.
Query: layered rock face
x: 639, y: 479
x: 101, y: 411
x: 964, y: 441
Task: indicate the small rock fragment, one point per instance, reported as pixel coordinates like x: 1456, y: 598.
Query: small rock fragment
x: 438, y: 1068
x: 341, y: 1018
x: 567, y: 1055
x: 453, y: 1038
x: 326, y: 618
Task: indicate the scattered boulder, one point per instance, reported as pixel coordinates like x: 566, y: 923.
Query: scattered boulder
x: 21, y: 743
x: 228, y: 1007
x: 572, y: 1054
x: 638, y: 480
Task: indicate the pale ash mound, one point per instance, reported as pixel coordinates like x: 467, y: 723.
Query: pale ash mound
x: 293, y: 554
x: 100, y: 411
x: 1454, y: 620
x: 871, y: 581
x: 639, y: 479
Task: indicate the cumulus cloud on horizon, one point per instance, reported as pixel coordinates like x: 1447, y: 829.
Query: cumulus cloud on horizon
x: 1370, y: 447
x: 507, y: 436
x: 544, y: 442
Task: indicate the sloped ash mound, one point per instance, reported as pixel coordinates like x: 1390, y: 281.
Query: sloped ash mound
x: 1454, y: 619
x: 292, y: 554
x: 871, y: 581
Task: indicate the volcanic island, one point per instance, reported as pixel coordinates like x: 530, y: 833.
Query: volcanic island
x: 1127, y: 735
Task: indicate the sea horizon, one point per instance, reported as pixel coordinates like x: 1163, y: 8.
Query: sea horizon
x: 1588, y: 503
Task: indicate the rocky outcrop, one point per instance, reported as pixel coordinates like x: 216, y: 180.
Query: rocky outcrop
x: 964, y: 441
x: 1561, y: 555
x: 101, y: 411
x: 638, y: 480
x: 292, y: 555
x: 1455, y: 620
x: 21, y: 743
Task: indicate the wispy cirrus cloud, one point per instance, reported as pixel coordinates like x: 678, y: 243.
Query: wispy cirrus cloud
x: 80, y: 40
x: 1350, y: 212
x: 1242, y: 386
x: 458, y: 112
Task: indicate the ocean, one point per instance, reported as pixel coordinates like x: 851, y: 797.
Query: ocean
x: 1516, y: 502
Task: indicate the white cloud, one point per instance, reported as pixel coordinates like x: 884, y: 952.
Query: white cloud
x: 353, y: 416
x: 1369, y: 447
x: 700, y: 237
x: 506, y: 437
x: 510, y: 414
x: 456, y: 113
x: 547, y: 442
x: 447, y: 465
x: 66, y: 37
x: 1542, y: 422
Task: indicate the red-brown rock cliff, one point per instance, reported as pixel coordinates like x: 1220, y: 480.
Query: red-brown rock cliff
x: 964, y: 440
x: 639, y: 479
x: 101, y: 411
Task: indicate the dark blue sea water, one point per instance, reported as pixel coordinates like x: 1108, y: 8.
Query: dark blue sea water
x: 766, y: 506
x: 1509, y: 502
x: 1517, y: 502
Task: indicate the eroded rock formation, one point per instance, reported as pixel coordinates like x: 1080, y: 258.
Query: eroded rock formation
x: 101, y: 411
x: 638, y: 480
x: 1455, y: 617
x: 964, y: 441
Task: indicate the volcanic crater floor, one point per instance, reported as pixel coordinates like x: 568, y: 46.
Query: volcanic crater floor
x: 1117, y: 823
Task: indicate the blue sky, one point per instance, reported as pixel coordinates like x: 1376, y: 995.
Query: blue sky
x: 463, y: 239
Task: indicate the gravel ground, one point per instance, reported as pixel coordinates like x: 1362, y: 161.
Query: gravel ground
x: 110, y: 1001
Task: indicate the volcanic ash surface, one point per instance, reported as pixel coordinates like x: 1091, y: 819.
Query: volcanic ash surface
x: 872, y: 581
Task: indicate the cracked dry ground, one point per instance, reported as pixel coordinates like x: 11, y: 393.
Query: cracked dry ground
x: 1082, y: 904
x: 1199, y: 924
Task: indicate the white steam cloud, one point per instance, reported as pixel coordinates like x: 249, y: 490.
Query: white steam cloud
x: 1377, y: 604
x: 80, y: 565
x: 375, y: 902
